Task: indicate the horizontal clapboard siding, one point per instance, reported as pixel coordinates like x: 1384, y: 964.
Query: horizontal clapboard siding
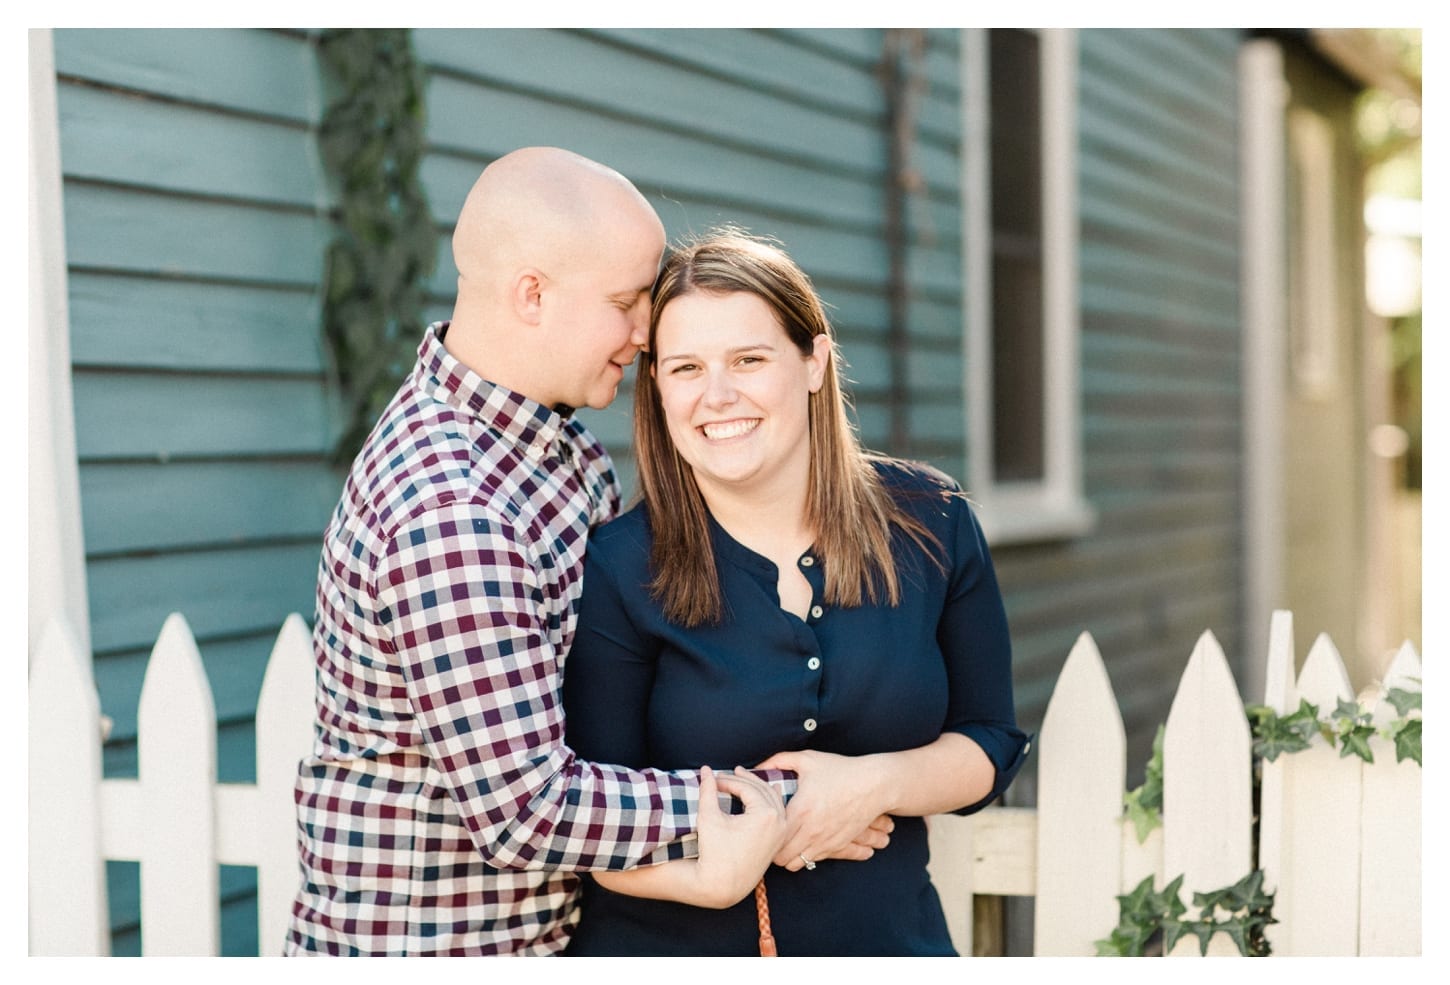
x: 1160, y: 351
x: 195, y: 225
x: 778, y: 131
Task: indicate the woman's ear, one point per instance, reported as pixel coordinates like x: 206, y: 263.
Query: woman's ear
x: 820, y: 361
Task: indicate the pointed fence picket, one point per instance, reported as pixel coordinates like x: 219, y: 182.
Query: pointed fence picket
x: 173, y: 818
x: 1389, y: 869
x: 1338, y: 840
x: 1208, y: 812
x: 1079, y: 807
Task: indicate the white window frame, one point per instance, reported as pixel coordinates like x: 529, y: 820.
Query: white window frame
x: 1053, y: 507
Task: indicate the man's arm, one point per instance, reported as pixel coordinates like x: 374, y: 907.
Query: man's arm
x: 735, y: 849
x: 468, y: 619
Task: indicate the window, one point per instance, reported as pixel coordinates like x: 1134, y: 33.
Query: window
x: 1020, y: 258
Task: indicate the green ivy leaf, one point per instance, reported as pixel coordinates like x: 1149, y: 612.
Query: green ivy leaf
x: 1173, y: 931
x: 1347, y: 714
x: 1403, y: 701
x: 1144, y: 804
x: 1291, y: 733
x: 1144, y: 816
x: 1406, y: 736
x: 1248, y: 892
x: 1356, y: 741
x: 1237, y: 930
x: 1203, y: 930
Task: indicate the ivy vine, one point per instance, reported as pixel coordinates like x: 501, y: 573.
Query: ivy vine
x: 371, y: 139
x: 1349, y: 726
x: 1243, y: 910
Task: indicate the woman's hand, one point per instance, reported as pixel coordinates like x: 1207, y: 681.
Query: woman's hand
x: 838, y: 810
x: 839, y: 799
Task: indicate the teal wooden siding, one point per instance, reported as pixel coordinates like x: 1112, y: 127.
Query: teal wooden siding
x: 782, y: 132
x: 1160, y: 351
x: 195, y: 223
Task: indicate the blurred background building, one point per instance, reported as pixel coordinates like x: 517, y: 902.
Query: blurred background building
x: 1151, y: 295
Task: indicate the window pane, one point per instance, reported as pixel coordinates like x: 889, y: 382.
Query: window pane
x: 1016, y: 122
x: 1017, y: 275
x: 1017, y: 397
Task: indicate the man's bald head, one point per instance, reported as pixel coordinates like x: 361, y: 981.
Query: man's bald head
x: 555, y: 257
x: 544, y: 208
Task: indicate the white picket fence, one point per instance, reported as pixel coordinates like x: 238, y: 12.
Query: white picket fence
x: 1339, y: 839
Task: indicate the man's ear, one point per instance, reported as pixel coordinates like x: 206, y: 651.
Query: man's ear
x: 528, y: 295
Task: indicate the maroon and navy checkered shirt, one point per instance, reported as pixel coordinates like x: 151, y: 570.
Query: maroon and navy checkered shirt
x: 440, y: 811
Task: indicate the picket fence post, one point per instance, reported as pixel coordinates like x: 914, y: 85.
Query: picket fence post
x: 1389, y: 881
x: 67, y: 870
x: 284, y: 736
x: 176, y: 751
x: 1207, y: 785
x: 1080, y: 778
x: 1317, y: 901
x: 1282, y: 697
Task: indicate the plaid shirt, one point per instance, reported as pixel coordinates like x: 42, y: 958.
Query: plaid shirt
x: 440, y: 811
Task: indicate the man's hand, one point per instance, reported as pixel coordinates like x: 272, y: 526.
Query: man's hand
x: 837, y: 808
x: 736, y: 849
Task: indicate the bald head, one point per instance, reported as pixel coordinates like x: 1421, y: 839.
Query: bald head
x: 555, y: 257
x: 546, y: 208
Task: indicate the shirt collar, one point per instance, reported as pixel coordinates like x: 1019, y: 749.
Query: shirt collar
x: 512, y: 415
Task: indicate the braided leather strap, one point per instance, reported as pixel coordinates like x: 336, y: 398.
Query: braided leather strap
x: 762, y: 917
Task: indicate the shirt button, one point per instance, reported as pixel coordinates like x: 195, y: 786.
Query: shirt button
x: 810, y: 724
x: 814, y: 663
x: 817, y: 612
x: 807, y: 561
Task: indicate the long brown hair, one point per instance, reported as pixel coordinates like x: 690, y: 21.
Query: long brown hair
x: 847, y: 506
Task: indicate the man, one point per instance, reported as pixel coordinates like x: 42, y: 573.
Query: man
x: 440, y: 812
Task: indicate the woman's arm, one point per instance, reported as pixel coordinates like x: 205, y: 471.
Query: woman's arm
x: 839, y: 795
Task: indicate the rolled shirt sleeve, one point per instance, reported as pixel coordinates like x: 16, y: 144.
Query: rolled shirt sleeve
x: 974, y: 637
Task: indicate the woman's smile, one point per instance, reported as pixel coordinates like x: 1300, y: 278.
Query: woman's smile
x: 724, y: 430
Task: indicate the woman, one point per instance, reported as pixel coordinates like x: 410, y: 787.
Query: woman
x: 785, y: 598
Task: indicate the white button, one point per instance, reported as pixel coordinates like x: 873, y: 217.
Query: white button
x: 816, y: 611
x: 1026, y: 748
x: 810, y: 724
x: 807, y: 561
x: 814, y: 663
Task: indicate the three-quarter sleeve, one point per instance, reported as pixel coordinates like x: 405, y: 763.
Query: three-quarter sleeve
x: 974, y: 638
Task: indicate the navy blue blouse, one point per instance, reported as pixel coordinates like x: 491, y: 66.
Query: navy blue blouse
x: 642, y: 691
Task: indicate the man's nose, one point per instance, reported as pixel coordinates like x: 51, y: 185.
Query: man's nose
x: 639, y: 332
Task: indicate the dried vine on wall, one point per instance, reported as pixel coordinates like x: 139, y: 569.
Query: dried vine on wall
x: 372, y: 141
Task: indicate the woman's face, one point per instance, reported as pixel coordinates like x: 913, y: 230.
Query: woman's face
x: 735, y: 392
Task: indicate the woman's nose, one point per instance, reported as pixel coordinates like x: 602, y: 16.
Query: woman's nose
x: 719, y: 390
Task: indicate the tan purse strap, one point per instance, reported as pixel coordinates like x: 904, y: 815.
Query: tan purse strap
x: 762, y: 917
